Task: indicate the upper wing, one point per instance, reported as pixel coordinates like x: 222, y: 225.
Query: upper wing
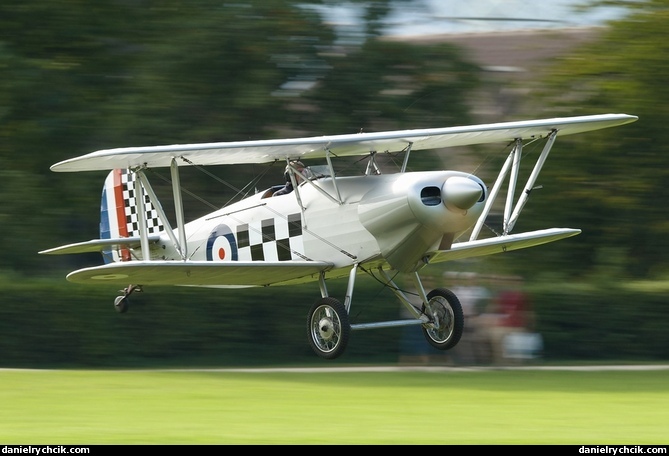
x: 201, y: 273
x: 501, y: 244
x: 225, y: 153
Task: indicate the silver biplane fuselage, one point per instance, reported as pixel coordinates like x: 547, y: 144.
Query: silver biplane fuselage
x: 393, y: 219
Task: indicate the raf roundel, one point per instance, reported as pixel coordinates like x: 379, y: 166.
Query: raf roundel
x: 221, y: 245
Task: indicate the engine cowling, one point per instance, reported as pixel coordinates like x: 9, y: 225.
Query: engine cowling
x: 414, y: 213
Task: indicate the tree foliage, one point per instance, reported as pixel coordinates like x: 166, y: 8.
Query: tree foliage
x: 613, y: 182
x: 419, y: 87
x: 79, y: 76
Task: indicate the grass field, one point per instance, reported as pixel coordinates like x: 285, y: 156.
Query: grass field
x: 328, y: 407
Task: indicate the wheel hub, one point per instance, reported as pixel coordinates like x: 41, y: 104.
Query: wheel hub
x: 326, y: 328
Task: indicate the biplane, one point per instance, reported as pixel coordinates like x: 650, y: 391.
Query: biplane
x: 392, y: 225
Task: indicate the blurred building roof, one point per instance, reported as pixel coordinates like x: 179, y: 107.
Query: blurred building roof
x: 429, y: 17
x: 519, y: 52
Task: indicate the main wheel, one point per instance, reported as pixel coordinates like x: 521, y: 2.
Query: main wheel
x: 328, y: 328
x: 447, y: 321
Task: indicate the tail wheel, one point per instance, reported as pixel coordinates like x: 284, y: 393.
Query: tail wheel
x: 447, y: 321
x: 121, y: 304
x: 328, y: 328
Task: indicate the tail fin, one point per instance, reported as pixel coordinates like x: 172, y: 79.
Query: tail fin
x: 118, y: 213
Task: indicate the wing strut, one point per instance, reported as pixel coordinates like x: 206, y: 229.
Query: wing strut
x: 179, y: 210
x: 332, y: 174
x: 530, y: 182
x: 406, y: 157
x: 336, y: 200
x: 372, y: 168
x: 291, y: 174
x: 145, y: 186
x: 512, y: 213
x: 141, y: 218
x: 493, y: 195
x: 517, y: 153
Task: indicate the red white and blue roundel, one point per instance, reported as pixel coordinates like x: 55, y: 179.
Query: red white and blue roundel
x: 221, y: 245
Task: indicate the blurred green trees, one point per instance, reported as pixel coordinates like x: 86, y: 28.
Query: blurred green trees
x: 612, y: 184
x: 78, y: 77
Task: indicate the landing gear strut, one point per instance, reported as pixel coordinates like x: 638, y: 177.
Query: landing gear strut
x: 121, y: 302
x: 440, y: 317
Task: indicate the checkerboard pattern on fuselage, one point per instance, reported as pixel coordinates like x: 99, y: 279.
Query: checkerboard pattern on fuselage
x: 271, y: 239
x: 153, y: 223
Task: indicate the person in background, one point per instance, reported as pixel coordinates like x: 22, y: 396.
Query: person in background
x: 511, y: 324
x: 474, y: 298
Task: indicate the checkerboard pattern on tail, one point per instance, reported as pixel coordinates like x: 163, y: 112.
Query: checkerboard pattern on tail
x: 153, y: 223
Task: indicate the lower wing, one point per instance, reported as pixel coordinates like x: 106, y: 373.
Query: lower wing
x: 97, y: 245
x: 501, y: 244
x: 256, y: 273
x: 201, y: 273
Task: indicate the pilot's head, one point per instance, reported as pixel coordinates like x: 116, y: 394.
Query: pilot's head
x: 301, y: 171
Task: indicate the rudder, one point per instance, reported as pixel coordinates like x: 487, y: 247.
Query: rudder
x: 118, y: 213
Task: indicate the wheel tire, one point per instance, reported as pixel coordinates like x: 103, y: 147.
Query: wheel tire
x: 328, y: 328
x: 443, y: 308
x: 121, y: 304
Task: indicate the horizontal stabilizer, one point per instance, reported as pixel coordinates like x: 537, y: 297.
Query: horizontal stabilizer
x: 96, y: 245
x: 201, y: 273
x: 501, y: 244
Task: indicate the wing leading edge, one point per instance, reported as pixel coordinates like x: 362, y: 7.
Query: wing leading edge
x: 264, y: 151
x: 501, y: 244
x: 201, y: 273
